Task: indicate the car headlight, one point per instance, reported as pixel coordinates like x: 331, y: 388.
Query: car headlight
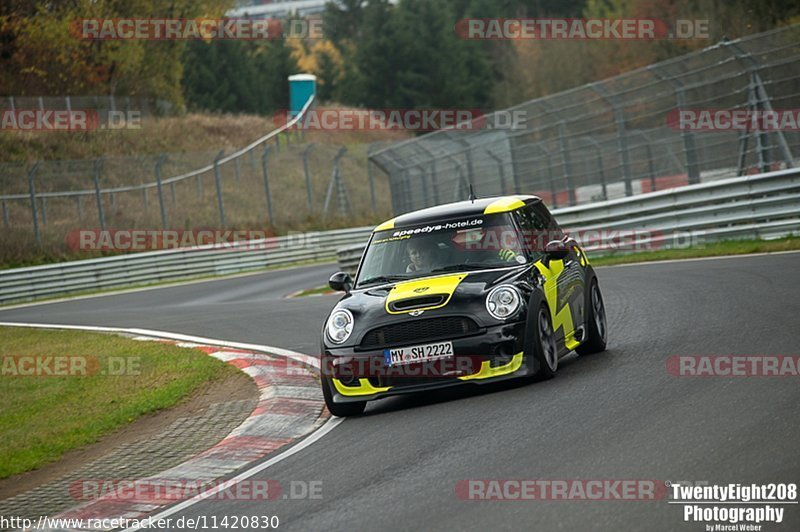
x: 340, y: 325
x: 503, y: 301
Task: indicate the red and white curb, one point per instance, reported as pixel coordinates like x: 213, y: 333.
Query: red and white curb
x: 290, y: 407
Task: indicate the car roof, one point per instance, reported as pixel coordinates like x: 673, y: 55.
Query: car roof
x: 459, y: 210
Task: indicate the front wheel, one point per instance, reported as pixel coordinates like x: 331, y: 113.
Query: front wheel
x: 544, y: 349
x: 596, y: 326
x: 340, y: 409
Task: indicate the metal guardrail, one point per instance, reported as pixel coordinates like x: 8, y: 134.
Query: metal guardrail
x: 756, y: 206
x: 26, y: 284
x: 761, y: 206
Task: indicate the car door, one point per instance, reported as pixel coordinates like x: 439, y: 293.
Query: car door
x: 565, y: 288
x: 573, y: 280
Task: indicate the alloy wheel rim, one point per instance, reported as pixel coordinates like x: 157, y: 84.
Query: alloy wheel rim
x: 548, y: 343
x: 599, y: 312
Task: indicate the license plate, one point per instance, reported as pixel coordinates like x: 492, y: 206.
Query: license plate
x: 418, y: 353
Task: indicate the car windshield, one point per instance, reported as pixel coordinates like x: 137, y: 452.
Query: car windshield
x: 489, y: 241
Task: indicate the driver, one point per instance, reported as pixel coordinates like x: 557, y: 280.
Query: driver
x: 422, y: 254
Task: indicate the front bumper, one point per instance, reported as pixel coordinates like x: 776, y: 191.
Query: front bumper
x: 492, y: 354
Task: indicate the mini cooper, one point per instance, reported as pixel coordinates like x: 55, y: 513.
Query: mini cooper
x: 471, y: 292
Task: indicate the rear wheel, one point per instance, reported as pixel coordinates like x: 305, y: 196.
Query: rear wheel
x: 596, y: 327
x: 545, y: 351
x: 340, y: 409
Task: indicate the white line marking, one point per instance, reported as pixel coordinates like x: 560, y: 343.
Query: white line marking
x: 329, y: 425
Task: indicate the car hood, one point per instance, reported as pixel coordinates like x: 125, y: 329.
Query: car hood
x: 451, y: 294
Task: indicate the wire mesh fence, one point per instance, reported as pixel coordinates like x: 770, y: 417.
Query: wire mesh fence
x: 280, y: 182
x: 618, y: 137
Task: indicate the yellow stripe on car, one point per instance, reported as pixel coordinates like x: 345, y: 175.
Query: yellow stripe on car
x: 364, y: 388
x: 388, y: 224
x: 506, y: 204
x: 563, y: 317
x: 487, y: 371
x: 428, y: 286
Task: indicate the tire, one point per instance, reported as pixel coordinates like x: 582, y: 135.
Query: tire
x: 596, y: 327
x: 340, y: 409
x: 544, y: 350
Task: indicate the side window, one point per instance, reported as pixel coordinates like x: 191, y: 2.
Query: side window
x: 542, y: 213
x: 535, y: 228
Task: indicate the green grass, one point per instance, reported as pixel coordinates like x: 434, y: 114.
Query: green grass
x: 715, y: 249
x: 42, y: 417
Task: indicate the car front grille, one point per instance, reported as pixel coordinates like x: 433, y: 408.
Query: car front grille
x: 419, y: 331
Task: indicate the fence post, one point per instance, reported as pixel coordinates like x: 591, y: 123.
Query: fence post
x: 32, y: 193
x: 145, y: 199
x: 371, y: 178
x: 218, y: 183
x: 6, y: 221
x: 98, y: 167
x: 341, y: 191
x: 600, y: 169
x: 265, y: 170
x: 160, y: 190
x: 689, y: 146
x: 307, y: 173
x: 333, y: 184
x: 79, y: 205
x: 198, y: 186
x: 44, y: 210
x: 650, y: 166
x: 622, y: 137
x: 565, y: 160
x: 551, y: 183
x: 500, y: 171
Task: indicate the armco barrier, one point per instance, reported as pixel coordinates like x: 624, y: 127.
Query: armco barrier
x: 756, y: 206
x: 25, y: 284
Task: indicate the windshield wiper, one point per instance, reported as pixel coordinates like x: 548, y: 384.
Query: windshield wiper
x: 383, y: 279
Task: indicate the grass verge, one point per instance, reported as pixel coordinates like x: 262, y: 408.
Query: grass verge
x: 715, y: 249
x: 108, y: 382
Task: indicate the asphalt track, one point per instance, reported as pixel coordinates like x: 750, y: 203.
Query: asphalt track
x: 617, y: 415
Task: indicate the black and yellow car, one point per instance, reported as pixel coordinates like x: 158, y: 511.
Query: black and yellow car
x: 470, y: 292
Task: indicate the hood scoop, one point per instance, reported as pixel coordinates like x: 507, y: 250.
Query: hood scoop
x: 411, y: 303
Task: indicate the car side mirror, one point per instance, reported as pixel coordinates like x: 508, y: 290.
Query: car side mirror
x: 341, y: 282
x: 559, y: 249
